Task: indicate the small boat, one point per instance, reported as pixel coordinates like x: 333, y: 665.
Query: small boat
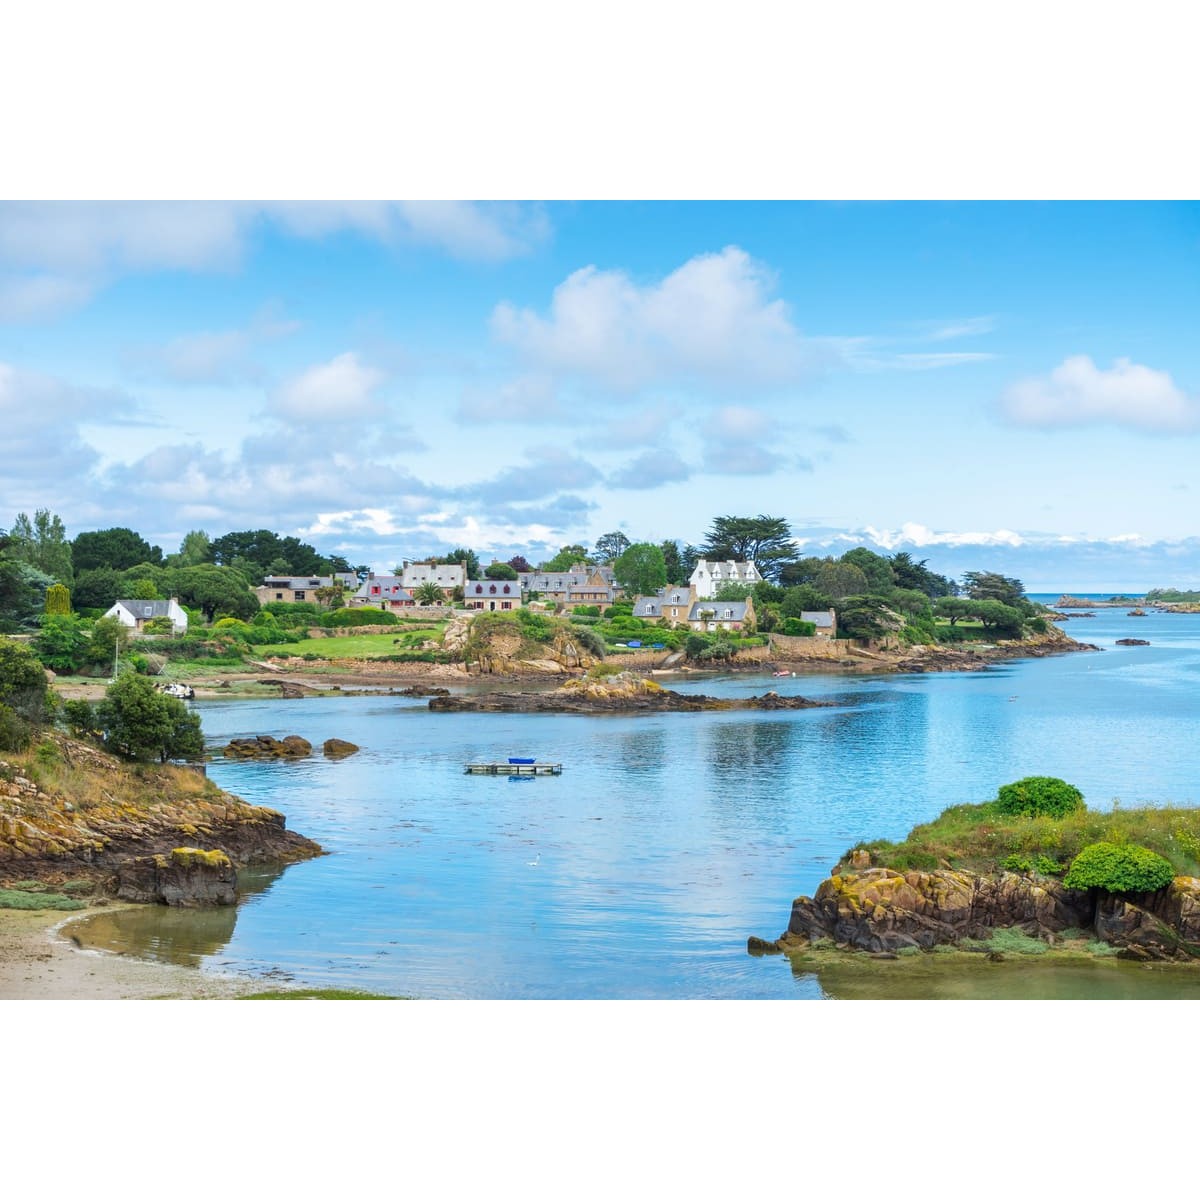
x: 780, y: 674
x: 521, y: 762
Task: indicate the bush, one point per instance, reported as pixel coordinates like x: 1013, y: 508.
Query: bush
x: 1116, y: 868
x: 586, y: 610
x: 143, y: 724
x: 15, y: 732
x: 343, y: 617
x: 589, y: 640
x: 79, y: 717
x: 22, y: 682
x: 535, y: 626
x: 1038, y: 796
x: 794, y: 627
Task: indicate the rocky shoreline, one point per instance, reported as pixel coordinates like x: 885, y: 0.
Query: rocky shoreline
x: 625, y: 693
x: 883, y: 912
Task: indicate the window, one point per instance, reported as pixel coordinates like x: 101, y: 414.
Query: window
x: 278, y: 595
x: 374, y: 589
x: 506, y: 603
x: 507, y: 589
x: 300, y: 594
x: 478, y: 588
x: 492, y: 590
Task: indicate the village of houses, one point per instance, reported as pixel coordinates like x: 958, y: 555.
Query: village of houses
x: 694, y: 605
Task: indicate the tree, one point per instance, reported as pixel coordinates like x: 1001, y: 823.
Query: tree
x: 430, y: 593
x: 43, y: 544
x: 802, y: 571
x: 1002, y: 619
x: 764, y: 541
x: 520, y: 564
x: 460, y: 554
x: 61, y: 643
x: 22, y: 593
x: 987, y: 585
x: 109, y: 637
x: 566, y: 558
x: 143, y: 589
x: 909, y: 574
x: 58, y: 601
x: 953, y: 608
x: 23, y: 685
x: 99, y: 587
x: 193, y: 550
x: 119, y: 548
x: 141, y: 723
x: 499, y: 570
x: 841, y: 579
x: 866, y: 617
x: 673, y: 561
x: 641, y: 570
x: 214, y: 589
x: 610, y: 546
x: 333, y: 595
x: 805, y: 598
x: 876, y: 568
x: 734, y: 591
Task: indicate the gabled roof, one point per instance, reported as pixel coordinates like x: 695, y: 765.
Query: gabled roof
x: 722, y: 610
x: 822, y: 619
x: 144, y: 610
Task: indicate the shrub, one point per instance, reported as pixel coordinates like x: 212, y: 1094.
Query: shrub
x: 58, y: 601
x: 342, y: 617
x: 15, y: 732
x: 79, y: 717
x: 794, y: 627
x: 22, y: 681
x: 1038, y: 796
x: 586, y: 610
x: 589, y: 640
x: 1114, y: 868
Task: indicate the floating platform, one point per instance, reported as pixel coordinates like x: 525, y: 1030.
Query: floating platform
x: 511, y: 768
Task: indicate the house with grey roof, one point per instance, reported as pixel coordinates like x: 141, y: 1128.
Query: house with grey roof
x: 134, y: 614
x: 447, y: 576
x: 706, y: 616
x: 672, y: 603
x: 386, y: 592
x: 493, y: 595
x: 825, y: 621
x: 708, y: 577
x: 291, y: 589
x: 569, y: 588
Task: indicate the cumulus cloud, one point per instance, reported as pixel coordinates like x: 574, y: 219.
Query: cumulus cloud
x: 547, y: 469
x: 913, y: 534
x: 650, y: 470
x: 1078, y: 393
x: 342, y: 389
x: 55, y: 256
x: 527, y: 399
x: 710, y: 320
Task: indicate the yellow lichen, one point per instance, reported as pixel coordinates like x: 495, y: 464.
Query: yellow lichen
x: 189, y: 856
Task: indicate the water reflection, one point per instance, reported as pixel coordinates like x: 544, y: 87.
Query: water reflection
x: 183, y: 936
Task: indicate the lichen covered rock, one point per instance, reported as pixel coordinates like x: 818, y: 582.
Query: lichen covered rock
x: 187, y: 877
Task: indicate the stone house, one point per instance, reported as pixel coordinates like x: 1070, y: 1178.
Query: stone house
x: 493, y: 595
x: 568, y: 588
x: 135, y: 613
x: 824, y: 620
x: 671, y: 604
x: 293, y: 588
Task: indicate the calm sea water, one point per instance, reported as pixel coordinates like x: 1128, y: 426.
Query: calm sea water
x: 667, y: 840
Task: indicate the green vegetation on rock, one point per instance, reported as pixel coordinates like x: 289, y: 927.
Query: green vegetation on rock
x: 1119, y: 868
x: 1038, y: 796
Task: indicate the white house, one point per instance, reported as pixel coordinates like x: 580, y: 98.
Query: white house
x: 707, y: 578
x: 135, y: 613
x: 447, y: 576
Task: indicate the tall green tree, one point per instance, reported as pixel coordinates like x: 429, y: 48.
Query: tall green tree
x: 214, y: 590
x: 987, y: 585
x: 764, y: 541
x: 193, y: 550
x: 499, y: 570
x: 610, y: 546
x: 61, y: 643
x: 23, y: 685
x: 910, y: 574
x: 460, y: 554
x: 566, y: 558
x: 841, y: 579
x: 141, y: 723
x: 119, y: 548
x: 876, y: 568
x: 42, y: 543
x: 673, y: 560
x: 641, y: 570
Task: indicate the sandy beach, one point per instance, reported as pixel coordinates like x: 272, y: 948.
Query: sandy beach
x: 39, y: 962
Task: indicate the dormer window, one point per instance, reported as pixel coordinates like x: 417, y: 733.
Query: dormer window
x: 492, y: 590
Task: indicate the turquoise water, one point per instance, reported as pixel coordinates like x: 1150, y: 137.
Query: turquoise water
x: 668, y: 839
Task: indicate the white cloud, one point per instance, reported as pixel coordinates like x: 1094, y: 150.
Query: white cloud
x: 913, y: 534
x: 651, y: 470
x: 529, y: 398
x: 711, y: 321
x: 341, y: 389
x: 1077, y: 392
x: 35, y: 297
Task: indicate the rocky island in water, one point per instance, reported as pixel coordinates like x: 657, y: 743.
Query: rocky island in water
x: 1031, y: 870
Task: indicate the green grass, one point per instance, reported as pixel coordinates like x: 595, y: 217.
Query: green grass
x: 317, y: 994
x: 977, y: 837
x: 31, y: 901
x: 364, y: 645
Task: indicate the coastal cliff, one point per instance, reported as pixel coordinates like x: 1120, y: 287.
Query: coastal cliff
x: 69, y: 811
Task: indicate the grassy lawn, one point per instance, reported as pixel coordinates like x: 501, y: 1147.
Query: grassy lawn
x: 364, y: 645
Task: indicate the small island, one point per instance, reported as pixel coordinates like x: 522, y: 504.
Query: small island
x: 1032, y: 870
x: 605, y: 692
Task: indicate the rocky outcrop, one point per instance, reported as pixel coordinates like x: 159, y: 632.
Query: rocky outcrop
x: 624, y: 693
x: 185, y: 878
x: 336, y: 748
x: 1132, y: 642
x: 104, y: 813
x: 881, y: 911
x: 266, y: 746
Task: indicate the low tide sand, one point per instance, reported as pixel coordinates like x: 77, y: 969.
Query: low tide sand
x: 39, y: 962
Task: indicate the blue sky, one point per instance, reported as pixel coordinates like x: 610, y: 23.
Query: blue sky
x: 1005, y: 386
